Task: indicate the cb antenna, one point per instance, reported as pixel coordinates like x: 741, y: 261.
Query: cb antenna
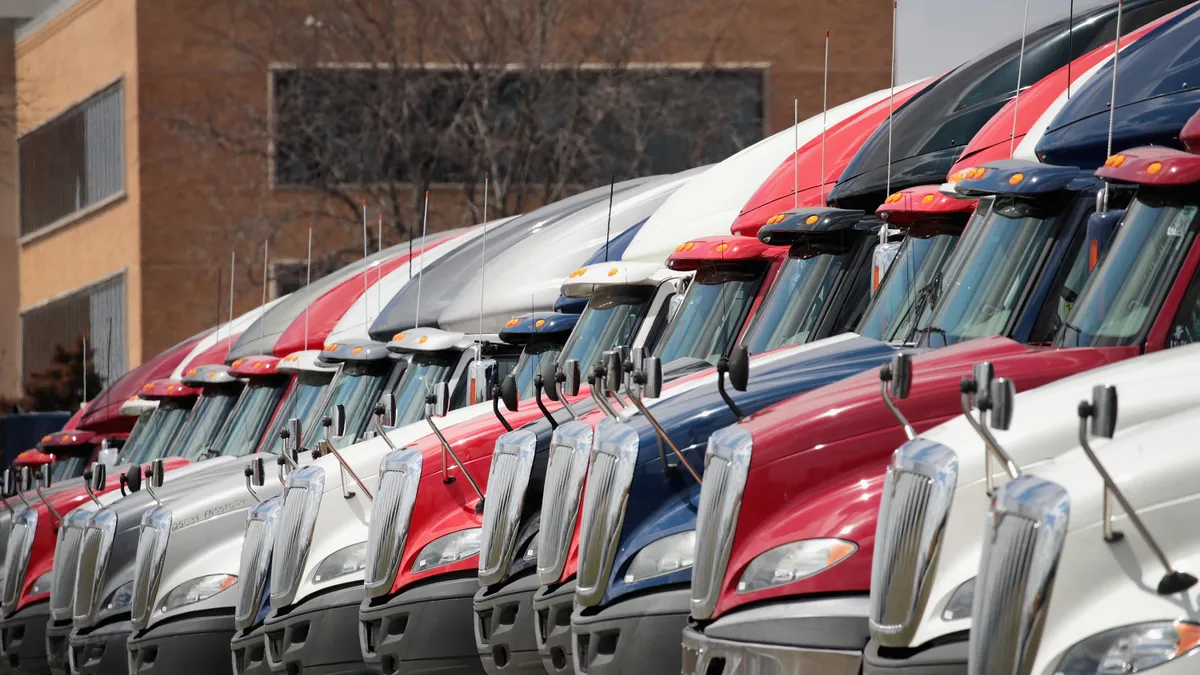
x: 796, y: 153
x: 824, y: 120
x: 883, y: 231
x: 483, y: 256
x: 1012, y: 139
x: 1112, y: 104
x: 262, y: 326
x: 1070, y: 43
x: 379, y: 270
x: 84, y: 354
x: 421, y: 272
x: 307, y: 281
x: 232, y: 266
x: 612, y: 185
x: 366, y: 270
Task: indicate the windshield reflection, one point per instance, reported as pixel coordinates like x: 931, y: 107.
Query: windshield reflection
x: 910, y: 285
x: 242, y: 433
x: 357, y: 388
x: 211, y: 410
x: 713, y: 312
x: 530, y: 364
x: 425, y: 371
x: 168, y: 419
x: 70, y: 466
x: 1121, y: 300
x: 136, y: 434
x: 611, y: 319
x: 792, y: 310
x: 302, y: 403
x: 997, y: 266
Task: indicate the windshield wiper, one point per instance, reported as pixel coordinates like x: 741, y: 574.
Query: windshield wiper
x: 925, y: 297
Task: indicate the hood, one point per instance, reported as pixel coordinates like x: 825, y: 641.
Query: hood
x: 612, y: 250
x: 1158, y: 89
x: 520, y: 278
x: 442, y: 282
x: 932, y: 130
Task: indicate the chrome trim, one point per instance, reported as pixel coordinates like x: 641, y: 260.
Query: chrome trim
x: 16, y: 557
x: 512, y: 464
x: 570, y: 448
x: 297, y: 518
x: 1022, y: 544
x: 610, y: 475
x: 726, y: 466
x: 918, y: 490
x: 255, y: 564
x: 93, y: 567
x: 154, y: 534
x: 66, y: 563
x: 703, y: 655
x: 391, y: 514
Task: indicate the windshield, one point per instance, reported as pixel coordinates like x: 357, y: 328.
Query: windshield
x: 1120, y: 302
x: 792, y: 310
x: 998, y: 266
x: 211, y: 410
x: 425, y: 371
x: 70, y: 466
x: 611, y: 319
x: 713, y: 312
x: 910, y: 284
x: 168, y: 418
x: 530, y: 362
x: 136, y: 435
x: 357, y: 388
x: 303, y: 403
x: 242, y: 433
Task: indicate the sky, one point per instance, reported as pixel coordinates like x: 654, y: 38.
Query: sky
x: 933, y: 36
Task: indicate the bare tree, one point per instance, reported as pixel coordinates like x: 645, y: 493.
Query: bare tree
x: 380, y: 101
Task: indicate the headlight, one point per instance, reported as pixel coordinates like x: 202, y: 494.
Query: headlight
x: 449, y: 549
x: 340, y: 563
x: 42, y: 584
x: 664, y: 556
x: 119, y: 599
x: 1131, y: 649
x: 196, y: 590
x: 959, y: 606
x: 792, y: 562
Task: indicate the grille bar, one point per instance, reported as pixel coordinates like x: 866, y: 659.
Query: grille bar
x: 297, y: 518
x: 391, y: 513
x: 254, y: 565
x: 153, y: 536
x: 512, y: 463
x: 66, y: 562
x: 726, y: 466
x: 610, y: 474
x: 93, y: 566
x: 16, y: 557
x: 565, y: 471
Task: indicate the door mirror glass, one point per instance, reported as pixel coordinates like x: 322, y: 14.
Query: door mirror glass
x: 439, y: 400
x: 10, y: 483
x: 1003, y: 398
x: 108, y: 454
x: 508, y: 392
x: 45, y: 475
x: 571, y: 380
x: 257, y: 472
x: 100, y: 476
x: 652, y: 370
x: 158, y: 473
x: 901, y: 381
x: 386, y: 409
x: 337, y: 421
x: 549, y: 372
x: 133, y: 479
x: 739, y: 368
x: 1104, y: 411
x: 614, y: 371
x: 292, y: 436
x: 481, y: 375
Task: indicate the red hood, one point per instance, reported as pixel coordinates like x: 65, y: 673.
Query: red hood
x: 842, y: 141
x: 818, y: 459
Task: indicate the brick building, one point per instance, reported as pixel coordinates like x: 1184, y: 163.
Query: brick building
x: 124, y: 224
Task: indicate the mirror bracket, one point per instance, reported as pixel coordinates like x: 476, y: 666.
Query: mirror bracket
x: 971, y: 397
x: 639, y: 377
x: 446, y: 478
x: 722, y: 370
x: 889, y: 378
x: 538, y: 385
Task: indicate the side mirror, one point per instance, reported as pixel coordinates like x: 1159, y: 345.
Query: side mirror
x: 257, y: 472
x: 337, y: 420
x: 1104, y: 411
x: 10, y: 483
x: 26, y: 479
x: 385, y: 409
x: 615, y: 368
x: 157, y: 473
x: 292, y: 436
x: 100, y: 475
x: 983, y: 374
x: 481, y: 376
x: 133, y: 479
x: 1003, y: 399
x: 637, y: 356
x: 739, y: 368
x: 652, y: 371
x: 571, y: 379
x: 440, y: 400
x: 900, y: 382
x: 549, y: 372
x: 508, y: 392
x: 108, y: 454
x: 45, y: 475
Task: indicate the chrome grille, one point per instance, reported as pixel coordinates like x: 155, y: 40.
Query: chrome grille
x: 610, y: 473
x: 255, y: 563
x: 93, y: 565
x: 399, y: 477
x: 66, y: 562
x: 16, y: 556
x: 1021, y: 548
x: 726, y: 464
x: 153, y: 536
x: 512, y: 462
x: 917, y: 493
x: 569, y: 450
x: 297, y: 518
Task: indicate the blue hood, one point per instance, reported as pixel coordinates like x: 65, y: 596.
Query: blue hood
x: 660, y: 505
x: 1158, y: 89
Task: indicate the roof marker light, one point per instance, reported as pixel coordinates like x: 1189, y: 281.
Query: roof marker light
x: 612, y: 272
x: 398, y: 337
x: 423, y: 339
x: 539, y: 323
x: 722, y: 247
x: 928, y: 199
x: 193, y: 371
x: 1154, y: 168
x: 1016, y: 178
x: 812, y: 219
x: 358, y: 350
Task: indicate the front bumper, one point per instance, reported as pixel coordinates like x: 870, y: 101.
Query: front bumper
x: 319, y: 636
x: 196, y: 644
x: 823, y: 636
x: 100, y: 651
x: 632, y: 636
x: 23, y: 639
x: 504, y: 629
x: 552, y: 626
x: 949, y: 658
x: 58, y: 647
x: 423, y: 629
x: 249, y: 651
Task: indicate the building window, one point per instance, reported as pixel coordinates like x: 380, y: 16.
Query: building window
x: 363, y: 125
x: 74, y: 161
x: 96, y: 312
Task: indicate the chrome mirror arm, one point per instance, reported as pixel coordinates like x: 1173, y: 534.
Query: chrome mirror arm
x: 250, y: 485
x: 446, y: 449
x: 595, y: 385
x: 636, y: 399
x: 887, y: 400
x: 379, y: 430
x: 562, y: 397
x: 53, y: 511
x: 87, y: 485
x: 345, y: 468
x: 992, y: 448
x: 1174, y: 581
